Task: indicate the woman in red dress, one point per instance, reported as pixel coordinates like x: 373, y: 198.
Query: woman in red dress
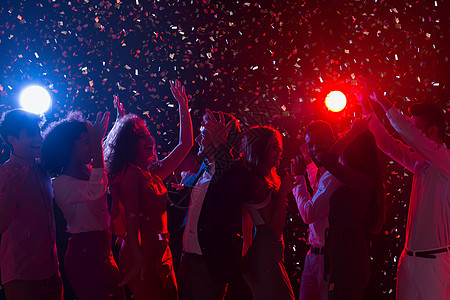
x: 140, y: 198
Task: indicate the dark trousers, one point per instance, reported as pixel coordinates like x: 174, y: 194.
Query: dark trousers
x: 91, y: 268
x: 47, y: 289
x: 195, y: 282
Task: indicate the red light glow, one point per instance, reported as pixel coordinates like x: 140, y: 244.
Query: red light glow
x: 335, y: 101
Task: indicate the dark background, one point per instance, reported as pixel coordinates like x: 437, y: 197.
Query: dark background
x: 266, y: 62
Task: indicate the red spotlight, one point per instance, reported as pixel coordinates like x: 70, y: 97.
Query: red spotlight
x: 335, y: 101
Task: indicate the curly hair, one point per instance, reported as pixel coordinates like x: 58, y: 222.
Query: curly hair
x: 59, y: 139
x: 255, y: 144
x: 121, y: 144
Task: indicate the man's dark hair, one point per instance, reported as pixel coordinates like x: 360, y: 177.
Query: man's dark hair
x: 432, y: 115
x: 319, y: 125
x: 16, y: 120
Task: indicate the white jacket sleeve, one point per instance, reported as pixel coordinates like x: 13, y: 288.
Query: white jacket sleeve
x: 312, y: 209
x: 396, y: 149
x: 435, y: 154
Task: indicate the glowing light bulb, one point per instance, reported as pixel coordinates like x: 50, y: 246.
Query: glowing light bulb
x: 335, y: 101
x: 35, y: 99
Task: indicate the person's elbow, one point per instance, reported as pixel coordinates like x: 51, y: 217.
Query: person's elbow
x: 306, y: 217
x: 96, y: 191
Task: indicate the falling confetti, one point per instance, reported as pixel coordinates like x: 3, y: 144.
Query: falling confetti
x: 266, y: 62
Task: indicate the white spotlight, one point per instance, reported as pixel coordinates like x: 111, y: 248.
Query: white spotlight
x: 35, y: 99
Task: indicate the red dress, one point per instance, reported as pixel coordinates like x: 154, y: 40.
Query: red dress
x: 159, y: 278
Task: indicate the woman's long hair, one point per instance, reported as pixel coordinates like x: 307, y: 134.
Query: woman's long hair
x: 121, y: 144
x: 59, y: 140
x: 255, y: 144
x: 362, y: 155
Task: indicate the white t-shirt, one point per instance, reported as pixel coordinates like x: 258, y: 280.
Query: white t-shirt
x: 83, y: 202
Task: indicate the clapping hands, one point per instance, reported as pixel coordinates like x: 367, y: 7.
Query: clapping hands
x: 97, y: 131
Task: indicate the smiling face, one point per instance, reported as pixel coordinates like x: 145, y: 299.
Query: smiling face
x: 318, y: 141
x: 146, y: 145
x: 273, y: 153
x: 203, y: 141
x: 28, y: 144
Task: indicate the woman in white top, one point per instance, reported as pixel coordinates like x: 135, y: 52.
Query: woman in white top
x: 264, y: 269
x: 72, y: 151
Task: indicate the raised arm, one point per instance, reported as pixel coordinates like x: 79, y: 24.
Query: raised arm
x: 96, y: 133
x: 67, y: 190
x: 119, y: 107
x: 435, y: 154
x: 186, y: 140
x: 358, y: 127
x: 345, y: 174
x: 397, y: 150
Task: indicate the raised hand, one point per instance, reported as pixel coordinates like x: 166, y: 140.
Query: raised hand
x: 179, y: 186
x: 298, y: 165
x: 119, y: 107
x: 178, y: 92
x: 97, y: 131
x: 360, y: 125
x: 215, y: 129
x: 288, y: 182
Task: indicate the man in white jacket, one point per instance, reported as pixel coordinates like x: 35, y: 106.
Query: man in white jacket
x: 424, y: 266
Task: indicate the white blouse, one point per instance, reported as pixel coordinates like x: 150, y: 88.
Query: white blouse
x: 83, y: 202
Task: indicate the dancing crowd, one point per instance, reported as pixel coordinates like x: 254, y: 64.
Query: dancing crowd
x: 232, y: 236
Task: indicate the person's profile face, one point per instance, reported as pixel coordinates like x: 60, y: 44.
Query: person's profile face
x: 28, y: 144
x: 272, y: 156
x: 146, y: 146
x: 82, y: 151
x: 203, y: 141
x: 305, y: 154
x: 318, y: 141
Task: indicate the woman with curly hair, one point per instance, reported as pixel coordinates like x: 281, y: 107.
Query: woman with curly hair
x: 140, y: 198
x: 72, y: 151
x: 264, y: 269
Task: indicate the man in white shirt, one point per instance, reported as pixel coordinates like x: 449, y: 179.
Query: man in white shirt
x: 319, y: 138
x: 424, y: 267
x: 211, y: 241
